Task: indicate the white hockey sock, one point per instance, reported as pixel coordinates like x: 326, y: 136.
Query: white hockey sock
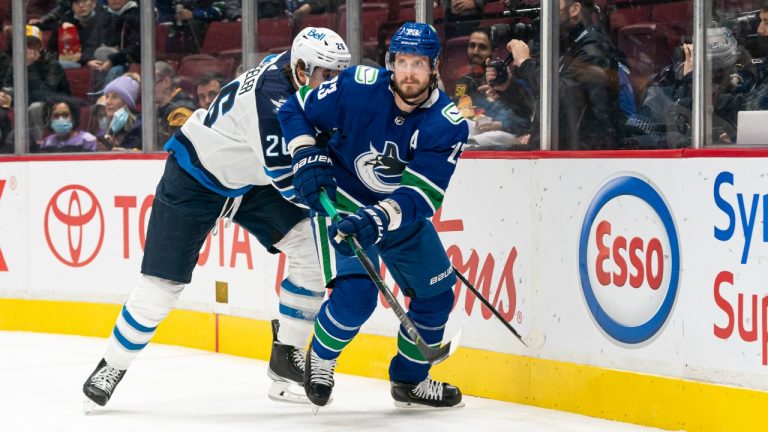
x: 146, y: 308
x: 302, y: 292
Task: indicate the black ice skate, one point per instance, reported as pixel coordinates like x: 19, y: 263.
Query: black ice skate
x: 98, y: 388
x: 318, y: 379
x: 286, y: 368
x: 426, y: 394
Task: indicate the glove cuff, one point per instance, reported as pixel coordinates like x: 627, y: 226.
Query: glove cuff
x: 394, y: 214
x: 300, y: 142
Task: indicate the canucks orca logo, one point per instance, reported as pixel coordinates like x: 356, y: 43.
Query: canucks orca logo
x: 381, y: 172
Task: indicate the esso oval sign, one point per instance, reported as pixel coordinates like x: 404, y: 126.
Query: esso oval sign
x: 629, y: 259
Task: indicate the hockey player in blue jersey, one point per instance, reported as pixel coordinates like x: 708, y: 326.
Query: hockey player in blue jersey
x: 231, y: 162
x: 387, y: 168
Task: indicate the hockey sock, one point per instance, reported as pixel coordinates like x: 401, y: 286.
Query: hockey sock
x: 352, y: 301
x: 430, y: 315
x: 298, y: 309
x: 147, y: 306
x: 302, y: 292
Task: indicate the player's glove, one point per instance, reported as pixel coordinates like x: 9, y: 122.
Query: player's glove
x: 369, y: 225
x: 313, y: 172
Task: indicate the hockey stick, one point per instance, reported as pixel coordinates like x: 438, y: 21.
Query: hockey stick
x: 535, y: 338
x: 433, y: 355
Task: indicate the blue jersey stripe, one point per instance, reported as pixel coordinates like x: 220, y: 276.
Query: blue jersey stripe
x: 184, y: 152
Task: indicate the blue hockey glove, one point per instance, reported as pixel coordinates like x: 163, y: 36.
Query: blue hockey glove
x: 313, y: 172
x: 369, y: 225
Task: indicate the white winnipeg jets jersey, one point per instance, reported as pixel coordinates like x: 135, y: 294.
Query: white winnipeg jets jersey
x: 238, y: 142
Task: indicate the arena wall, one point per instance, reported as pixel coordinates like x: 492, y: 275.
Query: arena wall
x: 646, y: 271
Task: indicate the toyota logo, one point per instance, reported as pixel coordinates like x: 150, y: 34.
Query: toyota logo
x: 72, y: 231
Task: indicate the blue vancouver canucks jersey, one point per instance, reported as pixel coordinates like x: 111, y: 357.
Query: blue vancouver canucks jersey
x: 378, y: 151
x: 238, y: 142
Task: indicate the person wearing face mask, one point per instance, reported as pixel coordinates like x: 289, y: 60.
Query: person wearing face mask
x: 64, y: 119
x: 121, y: 129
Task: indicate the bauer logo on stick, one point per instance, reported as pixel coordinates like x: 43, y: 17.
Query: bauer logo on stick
x: 629, y: 259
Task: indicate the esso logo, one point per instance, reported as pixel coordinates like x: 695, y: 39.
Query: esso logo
x: 74, y: 225
x: 629, y: 259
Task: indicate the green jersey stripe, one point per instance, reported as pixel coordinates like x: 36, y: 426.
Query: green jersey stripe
x: 327, y: 340
x: 433, y: 194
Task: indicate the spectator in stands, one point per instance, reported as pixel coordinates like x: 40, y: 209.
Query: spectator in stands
x: 45, y: 78
x: 590, y: 85
x: 207, y: 88
x: 758, y: 97
x: 233, y: 9
x: 731, y: 85
x: 120, y: 126
x: 120, y: 37
x: 298, y: 9
x: 6, y: 94
x: 63, y: 116
x: 52, y: 17
x: 85, y: 16
x: 479, y: 50
x: 45, y: 13
x: 462, y: 16
x: 509, y: 109
x: 191, y: 18
x: 173, y: 105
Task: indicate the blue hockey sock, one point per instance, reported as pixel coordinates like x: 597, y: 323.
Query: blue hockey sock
x: 430, y: 315
x: 350, y: 304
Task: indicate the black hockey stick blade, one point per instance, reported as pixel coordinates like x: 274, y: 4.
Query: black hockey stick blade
x: 534, y: 340
x: 432, y: 355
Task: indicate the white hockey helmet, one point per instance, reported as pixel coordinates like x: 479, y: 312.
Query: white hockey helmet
x: 319, y: 47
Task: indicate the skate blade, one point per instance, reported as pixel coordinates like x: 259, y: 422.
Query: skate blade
x: 89, y: 406
x: 284, y: 391
x: 315, y: 409
x: 415, y: 406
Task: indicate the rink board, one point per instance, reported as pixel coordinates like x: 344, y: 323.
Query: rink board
x: 637, y: 269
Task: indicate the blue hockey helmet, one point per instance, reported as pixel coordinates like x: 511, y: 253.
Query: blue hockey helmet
x: 417, y: 39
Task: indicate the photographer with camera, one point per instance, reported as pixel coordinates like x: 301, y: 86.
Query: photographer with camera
x: 509, y: 111
x: 590, y: 87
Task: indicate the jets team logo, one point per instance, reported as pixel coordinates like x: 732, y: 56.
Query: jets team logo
x: 380, y: 171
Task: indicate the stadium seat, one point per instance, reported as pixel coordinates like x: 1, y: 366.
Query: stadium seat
x: 223, y: 36
x: 195, y: 65
x: 626, y: 16
x: 79, y: 81
x: 327, y: 20
x: 274, y: 32
x: 374, y: 15
x: 161, y: 40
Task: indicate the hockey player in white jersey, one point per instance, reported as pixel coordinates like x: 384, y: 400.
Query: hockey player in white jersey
x: 231, y: 162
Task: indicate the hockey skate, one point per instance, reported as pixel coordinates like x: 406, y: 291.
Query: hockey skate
x: 426, y: 394
x: 318, y: 380
x: 286, y: 369
x: 98, y: 388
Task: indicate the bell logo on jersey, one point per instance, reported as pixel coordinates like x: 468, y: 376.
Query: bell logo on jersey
x: 381, y: 172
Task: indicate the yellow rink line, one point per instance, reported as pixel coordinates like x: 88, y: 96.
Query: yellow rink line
x: 667, y: 403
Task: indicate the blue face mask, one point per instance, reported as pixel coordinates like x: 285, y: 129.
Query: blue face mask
x: 61, y: 126
x: 118, y: 120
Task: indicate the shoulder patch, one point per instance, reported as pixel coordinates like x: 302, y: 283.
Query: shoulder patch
x: 452, y: 113
x: 366, y: 75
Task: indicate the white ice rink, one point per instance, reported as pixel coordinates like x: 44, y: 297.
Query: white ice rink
x: 173, y: 389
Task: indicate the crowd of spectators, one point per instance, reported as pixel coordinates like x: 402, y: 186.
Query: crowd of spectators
x: 615, y: 92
